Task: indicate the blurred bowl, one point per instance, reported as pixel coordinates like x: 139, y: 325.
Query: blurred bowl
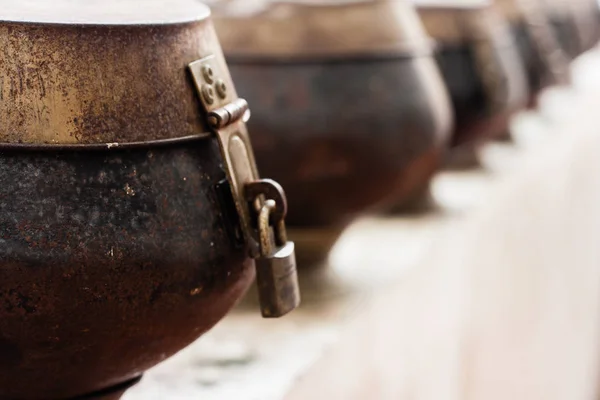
x: 479, y: 60
x: 576, y: 24
x: 349, y: 110
x: 587, y: 18
x: 544, y: 60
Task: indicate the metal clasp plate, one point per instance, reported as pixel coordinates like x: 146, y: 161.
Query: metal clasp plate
x: 227, y: 115
x: 274, y: 254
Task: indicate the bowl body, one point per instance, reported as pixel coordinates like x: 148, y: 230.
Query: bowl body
x: 587, y: 18
x: 345, y: 136
x: 348, y: 108
x: 118, y: 231
x: 542, y: 56
x: 481, y: 66
x: 111, y: 262
x: 535, y: 67
x: 481, y: 112
x: 566, y: 32
x: 576, y: 24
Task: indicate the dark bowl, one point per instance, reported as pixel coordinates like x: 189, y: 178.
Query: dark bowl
x: 576, y: 24
x: 587, y: 19
x: 565, y: 29
x: 348, y: 126
x: 480, y: 63
x: 112, y: 262
x: 117, y: 226
x: 345, y: 136
x: 544, y: 60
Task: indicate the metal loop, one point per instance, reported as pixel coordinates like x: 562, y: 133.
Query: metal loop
x: 272, y: 208
x: 266, y: 245
x: 268, y: 189
x: 280, y: 233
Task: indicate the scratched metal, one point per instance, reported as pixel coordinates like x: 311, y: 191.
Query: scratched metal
x: 111, y: 262
x: 113, y: 256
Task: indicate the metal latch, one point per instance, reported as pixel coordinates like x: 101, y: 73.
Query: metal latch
x: 260, y: 203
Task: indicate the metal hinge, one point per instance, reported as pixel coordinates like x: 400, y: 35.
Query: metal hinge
x: 260, y: 203
x: 226, y: 115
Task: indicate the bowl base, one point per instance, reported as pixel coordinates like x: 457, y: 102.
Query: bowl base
x: 319, y: 286
x: 421, y: 203
x: 462, y: 158
x: 319, y: 282
x: 504, y: 137
x: 313, y: 245
x: 114, y: 393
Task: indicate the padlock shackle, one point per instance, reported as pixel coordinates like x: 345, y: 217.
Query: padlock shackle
x: 265, y: 241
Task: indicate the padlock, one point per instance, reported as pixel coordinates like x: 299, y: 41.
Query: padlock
x: 276, y: 276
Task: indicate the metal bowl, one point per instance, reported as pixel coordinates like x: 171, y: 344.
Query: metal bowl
x: 119, y: 235
x: 349, y: 111
x: 543, y: 57
x: 576, y: 24
x: 480, y: 63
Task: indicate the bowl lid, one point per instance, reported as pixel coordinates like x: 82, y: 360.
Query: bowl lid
x: 319, y: 30
x: 101, y: 71
x: 559, y: 7
x: 104, y: 12
x: 452, y: 4
x: 454, y: 22
x: 517, y: 10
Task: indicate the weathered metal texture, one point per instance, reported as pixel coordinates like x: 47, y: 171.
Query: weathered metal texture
x: 345, y: 137
x: 111, y: 262
x: 97, y: 83
x: 482, y: 70
x: 112, y: 257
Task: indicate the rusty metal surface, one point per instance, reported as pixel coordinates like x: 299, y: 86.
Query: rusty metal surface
x: 111, y: 262
x: 226, y: 114
x: 301, y: 29
x: 117, y: 227
x: 343, y: 137
x: 107, y: 84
